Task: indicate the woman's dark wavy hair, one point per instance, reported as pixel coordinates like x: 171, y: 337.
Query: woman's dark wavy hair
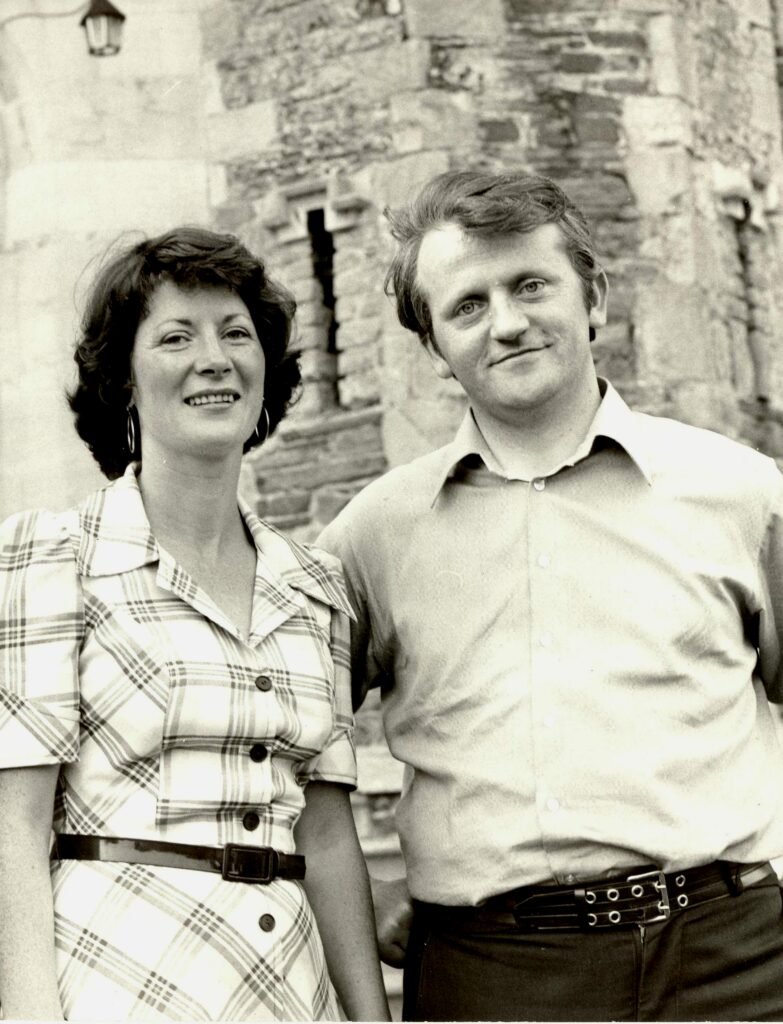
x: 119, y: 300
x: 483, y: 204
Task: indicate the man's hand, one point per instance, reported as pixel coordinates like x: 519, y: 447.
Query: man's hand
x: 393, y: 918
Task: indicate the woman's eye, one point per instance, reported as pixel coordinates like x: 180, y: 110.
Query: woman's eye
x: 174, y: 339
x: 238, y: 334
x: 467, y: 308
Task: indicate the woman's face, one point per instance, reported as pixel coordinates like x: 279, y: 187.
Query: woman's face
x: 198, y: 373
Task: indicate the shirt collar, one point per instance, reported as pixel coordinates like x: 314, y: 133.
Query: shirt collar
x: 613, y: 420
x: 115, y: 536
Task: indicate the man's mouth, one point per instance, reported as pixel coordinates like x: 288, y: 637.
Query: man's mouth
x: 213, y: 398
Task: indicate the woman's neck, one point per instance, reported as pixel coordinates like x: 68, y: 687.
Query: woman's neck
x: 191, y: 508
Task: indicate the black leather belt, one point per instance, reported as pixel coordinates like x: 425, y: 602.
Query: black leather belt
x: 236, y: 863
x: 642, y: 897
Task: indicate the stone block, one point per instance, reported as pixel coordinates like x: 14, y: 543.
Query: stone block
x: 384, y: 71
x: 359, y: 389
x: 657, y: 121
x: 353, y: 333
x: 673, y: 69
x: 672, y: 334
x: 318, y: 365
x: 433, y: 18
x: 431, y: 120
x: 242, y: 130
x: 359, y: 360
x: 417, y: 427
x: 659, y: 177
x: 395, y: 181
x: 571, y: 63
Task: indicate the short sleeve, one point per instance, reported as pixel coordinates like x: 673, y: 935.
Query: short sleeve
x: 337, y: 761
x: 41, y: 630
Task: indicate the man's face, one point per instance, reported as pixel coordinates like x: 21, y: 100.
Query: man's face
x: 509, y: 320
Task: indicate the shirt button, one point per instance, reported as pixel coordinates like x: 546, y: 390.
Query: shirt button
x: 251, y: 821
x: 552, y: 804
x: 258, y: 753
x: 543, y: 561
x: 263, y: 683
x: 266, y: 922
x: 539, y: 484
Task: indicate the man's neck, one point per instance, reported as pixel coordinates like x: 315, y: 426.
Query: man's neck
x: 537, y: 446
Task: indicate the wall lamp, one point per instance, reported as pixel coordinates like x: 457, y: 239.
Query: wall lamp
x: 102, y: 24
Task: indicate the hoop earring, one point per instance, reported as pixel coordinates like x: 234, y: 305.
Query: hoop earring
x: 130, y: 432
x: 260, y: 439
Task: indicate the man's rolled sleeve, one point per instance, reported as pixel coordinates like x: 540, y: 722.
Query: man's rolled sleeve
x: 41, y: 630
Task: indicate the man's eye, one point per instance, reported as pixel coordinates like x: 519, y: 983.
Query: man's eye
x: 531, y: 287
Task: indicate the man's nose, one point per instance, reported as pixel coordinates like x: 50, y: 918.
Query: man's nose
x: 211, y: 355
x: 507, y: 317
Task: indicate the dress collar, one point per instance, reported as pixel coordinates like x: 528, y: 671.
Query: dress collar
x: 114, y: 536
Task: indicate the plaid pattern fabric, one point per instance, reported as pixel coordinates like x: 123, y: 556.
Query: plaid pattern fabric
x: 115, y: 664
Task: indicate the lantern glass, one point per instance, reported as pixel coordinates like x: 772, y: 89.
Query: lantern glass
x: 104, y: 34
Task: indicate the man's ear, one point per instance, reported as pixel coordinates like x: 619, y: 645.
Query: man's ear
x: 600, y: 296
x: 439, y: 364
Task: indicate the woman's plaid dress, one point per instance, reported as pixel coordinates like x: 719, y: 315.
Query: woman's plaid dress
x: 114, y: 664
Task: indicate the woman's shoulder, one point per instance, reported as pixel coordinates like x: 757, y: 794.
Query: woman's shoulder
x: 37, y: 533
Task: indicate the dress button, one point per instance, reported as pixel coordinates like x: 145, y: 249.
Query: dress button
x: 258, y: 753
x: 539, y: 484
x: 251, y: 821
x: 263, y: 683
x: 266, y: 922
x: 553, y: 804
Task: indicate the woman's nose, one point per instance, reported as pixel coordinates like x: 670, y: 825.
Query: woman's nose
x: 211, y: 356
x: 507, y: 318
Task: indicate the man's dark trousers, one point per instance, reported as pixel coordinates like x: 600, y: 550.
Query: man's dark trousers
x: 721, y: 960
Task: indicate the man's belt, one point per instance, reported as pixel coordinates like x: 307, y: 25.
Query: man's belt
x: 642, y: 897
x: 236, y: 863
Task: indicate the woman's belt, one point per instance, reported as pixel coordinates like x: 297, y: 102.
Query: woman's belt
x: 234, y: 862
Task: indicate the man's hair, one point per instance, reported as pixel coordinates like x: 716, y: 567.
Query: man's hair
x: 120, y: 299
x: 482, y: 204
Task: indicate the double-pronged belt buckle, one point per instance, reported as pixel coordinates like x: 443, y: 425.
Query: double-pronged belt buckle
x: 658, y: 881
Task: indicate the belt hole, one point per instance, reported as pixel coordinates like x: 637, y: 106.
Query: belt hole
x: 614, y: 916
x: 589, y: 896
x: 682, y: 900
x: 592, y: 920
x: 637, y: 890
x: 679, y: 881
x: 612, y: 894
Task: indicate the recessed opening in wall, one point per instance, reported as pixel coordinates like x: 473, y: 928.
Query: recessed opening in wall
x: 322, y: 245
x: 323, y: 371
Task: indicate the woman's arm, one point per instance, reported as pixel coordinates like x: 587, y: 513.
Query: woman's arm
x: 28, y: 977
x: 339, y: 892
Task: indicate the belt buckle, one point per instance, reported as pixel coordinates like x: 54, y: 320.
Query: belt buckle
x: 255, y: 864
x: 658, y: 881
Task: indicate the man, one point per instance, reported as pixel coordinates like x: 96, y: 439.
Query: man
x: 573, y: 612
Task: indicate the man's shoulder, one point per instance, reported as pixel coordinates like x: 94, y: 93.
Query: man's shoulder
x: 704, y: 454
x: 402, y: 492
x: 381, y: 515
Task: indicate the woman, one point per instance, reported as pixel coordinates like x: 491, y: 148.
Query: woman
x: 173, y: 674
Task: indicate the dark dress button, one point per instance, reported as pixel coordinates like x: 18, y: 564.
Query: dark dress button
x: 264, y: 683
x: 266, y: 922
x: 258, y: 753
x: 251, y: 821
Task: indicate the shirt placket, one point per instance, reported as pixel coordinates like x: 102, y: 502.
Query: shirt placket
x: 546, y: 668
